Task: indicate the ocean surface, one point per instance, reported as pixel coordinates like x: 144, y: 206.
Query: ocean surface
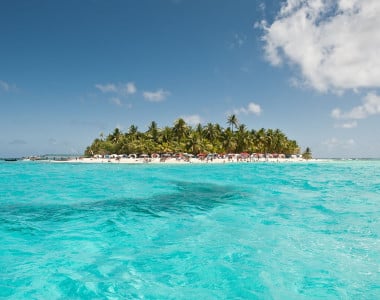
x: 228, y: 231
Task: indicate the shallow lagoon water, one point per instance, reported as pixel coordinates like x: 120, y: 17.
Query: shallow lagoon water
x: 229, y: 231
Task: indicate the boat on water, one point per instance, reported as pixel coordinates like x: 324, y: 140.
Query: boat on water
x: 10, y: 159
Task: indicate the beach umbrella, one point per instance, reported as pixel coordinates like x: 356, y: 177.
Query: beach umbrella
x: 244, y: 154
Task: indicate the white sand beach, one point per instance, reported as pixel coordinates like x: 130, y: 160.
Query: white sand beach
x: 181, y: 160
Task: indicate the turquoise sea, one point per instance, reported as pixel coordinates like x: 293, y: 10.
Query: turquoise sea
x: 228, y: 231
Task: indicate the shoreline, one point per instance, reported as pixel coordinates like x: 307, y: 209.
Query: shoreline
x: 182, y: 161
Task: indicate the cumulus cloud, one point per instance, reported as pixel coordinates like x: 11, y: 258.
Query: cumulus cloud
x: 252, y: 108
x: 370, y: 106
x: 123, y: 89
x: 156, y: 96
x: 333, y: 43
x: 192, y: 119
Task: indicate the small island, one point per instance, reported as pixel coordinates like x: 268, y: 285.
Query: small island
x: 205, y: 142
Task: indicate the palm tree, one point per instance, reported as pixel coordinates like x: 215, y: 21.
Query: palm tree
x: 199, y: 129
x: 229, y: 141
x: 307, y: 153
x: 242, y: 138
x: 166, y: 135
x: 269, y: 141
x: 115, y: 136
x: 260, y: 140
x: 153, y: 131
x: 180, y: 128
x: 133, y: 130
x: 209, y: 132
x: 232, y: 121
x: 194, y: 142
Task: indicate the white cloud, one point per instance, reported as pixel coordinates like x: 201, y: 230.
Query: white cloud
x: 192, y: 119
x: 333, y: 43
x: 348, y: 125
x: 252, y: 108
x: 116, y: 101
x: 156, y: 96
x: 123, y: 89
x: 370, y: 106
x: 262, y: 6
x: 335, y: 143
x: 106, y: 88
x: 131, y: 88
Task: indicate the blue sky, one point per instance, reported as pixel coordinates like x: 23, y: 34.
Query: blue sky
x: 70, y: 70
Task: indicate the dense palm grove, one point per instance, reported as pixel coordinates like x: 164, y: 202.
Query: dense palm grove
x: 182, y: 138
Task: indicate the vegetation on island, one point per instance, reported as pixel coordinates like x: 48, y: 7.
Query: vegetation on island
x: 307, y: 153
x: 183, y: 138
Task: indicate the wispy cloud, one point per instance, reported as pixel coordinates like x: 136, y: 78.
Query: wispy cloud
x: 347, y: 125
x: 370, y: 106
x: 252, y: 108
x: 262, y: 6
x: 192, y: 119
x: 157, y: 96
x: 238, y: 41
x: 4, y: 86
x: 334, y: 143
x: 123, y: 89
x: 7, y: 87
x: 116, y: 101
x: 131, y: 88
x: 333, y: 44
x: 106, y: 88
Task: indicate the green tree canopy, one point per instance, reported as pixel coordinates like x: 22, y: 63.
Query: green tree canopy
x: 181, y: 137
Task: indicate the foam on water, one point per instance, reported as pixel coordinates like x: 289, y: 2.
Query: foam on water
x: 257, y: 230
